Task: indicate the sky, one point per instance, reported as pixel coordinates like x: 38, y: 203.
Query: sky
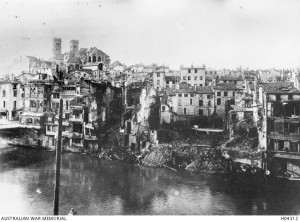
x: 217, y: 33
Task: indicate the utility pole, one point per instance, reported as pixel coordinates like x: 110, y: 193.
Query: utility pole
x: 58, y: 159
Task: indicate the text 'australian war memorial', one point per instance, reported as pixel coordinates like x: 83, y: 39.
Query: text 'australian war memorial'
x: 146, y: 139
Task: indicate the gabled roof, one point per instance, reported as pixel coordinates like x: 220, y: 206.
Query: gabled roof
x: 41, y: 63
x: 95, y: 50
x: 116, y: 63
x: 32, y: 58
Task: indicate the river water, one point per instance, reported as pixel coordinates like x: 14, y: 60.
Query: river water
x: 99, y: 187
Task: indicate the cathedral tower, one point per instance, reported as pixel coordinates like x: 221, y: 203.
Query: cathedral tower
x: 56, y: 46
x: 74, y: 45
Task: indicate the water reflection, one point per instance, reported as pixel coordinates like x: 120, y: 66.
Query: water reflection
x: 98, y: 187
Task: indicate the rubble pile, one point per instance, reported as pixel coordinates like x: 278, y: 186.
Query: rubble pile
x: 209, y: 161
x: 121, y: 154
x: 193, y: 158
x: 242, y: 143
x: 158, y: 156
x: 187, y: 157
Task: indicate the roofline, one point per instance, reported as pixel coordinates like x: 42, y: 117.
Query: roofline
x: 193, y: 67
x: 282, y: 93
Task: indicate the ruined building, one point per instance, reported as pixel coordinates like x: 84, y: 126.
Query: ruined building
x: 140, y: 98
x: 281, y: 110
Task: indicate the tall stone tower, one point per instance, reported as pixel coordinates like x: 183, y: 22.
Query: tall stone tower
x: 56, y: 46
x: 74, y: 45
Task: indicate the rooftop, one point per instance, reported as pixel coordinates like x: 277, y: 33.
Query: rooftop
x: 279, y: 87
x: 231, y: 78
x: 116, y: 63
x: 192, y: 67
x: 95, y: 50
x: 204, y: 90
x: 74, y: 60
x: 226, y: 86
x: 186, y: 90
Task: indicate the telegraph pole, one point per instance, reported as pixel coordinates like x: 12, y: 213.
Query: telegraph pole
x: 58, y: 159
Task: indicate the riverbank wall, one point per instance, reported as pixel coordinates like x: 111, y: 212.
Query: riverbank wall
x: 177, y: 156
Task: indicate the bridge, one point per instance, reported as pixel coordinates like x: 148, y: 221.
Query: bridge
x: 6, y: 124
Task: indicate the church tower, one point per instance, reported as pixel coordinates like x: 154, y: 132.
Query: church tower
x: 74, y: 45
x: 56, y: 46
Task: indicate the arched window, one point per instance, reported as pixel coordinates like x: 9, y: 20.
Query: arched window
x: 90, y: 58
x: 99, y: 59
x: 94, y: 58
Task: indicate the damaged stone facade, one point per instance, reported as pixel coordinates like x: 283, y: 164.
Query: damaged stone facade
x: 139, y: 98
x: 89, y: 117
x: 281, y: 105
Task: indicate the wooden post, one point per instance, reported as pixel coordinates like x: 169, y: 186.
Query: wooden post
x: 58, y: 160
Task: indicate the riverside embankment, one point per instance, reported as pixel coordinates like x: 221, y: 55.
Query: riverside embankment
x: 96, y: 186
x: 202, y: 154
